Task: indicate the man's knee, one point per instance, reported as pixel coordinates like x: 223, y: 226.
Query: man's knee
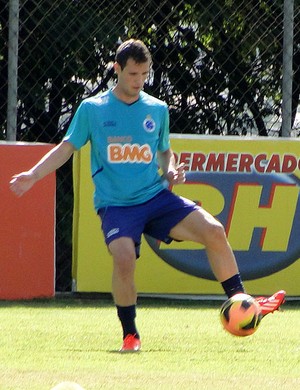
x: 215, y: 233
x: 124, y: 256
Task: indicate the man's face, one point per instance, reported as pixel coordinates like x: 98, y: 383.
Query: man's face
x: 132, y: 78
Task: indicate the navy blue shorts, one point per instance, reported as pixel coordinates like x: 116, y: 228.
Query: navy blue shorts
x: 156, y: 217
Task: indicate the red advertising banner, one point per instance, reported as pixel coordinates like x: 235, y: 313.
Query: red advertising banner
x: 27, y: 235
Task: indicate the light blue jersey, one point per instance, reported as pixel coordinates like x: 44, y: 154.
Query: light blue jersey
x: 124, y: 141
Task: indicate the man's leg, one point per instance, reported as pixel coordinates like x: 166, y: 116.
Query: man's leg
x: 124, y: 291
x: 199, y: 226
x: 124, y: 260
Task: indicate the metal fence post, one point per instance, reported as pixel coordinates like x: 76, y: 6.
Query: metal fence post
x: 12, y: 94
x: 287, y: 67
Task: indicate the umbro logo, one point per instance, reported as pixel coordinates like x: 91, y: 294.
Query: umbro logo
x: 112, y: 232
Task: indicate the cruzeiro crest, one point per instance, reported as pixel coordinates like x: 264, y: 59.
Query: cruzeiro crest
x: 149, y: 124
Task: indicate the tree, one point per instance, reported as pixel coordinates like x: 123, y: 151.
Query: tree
x: 64, y: 52
x: 217, y: 64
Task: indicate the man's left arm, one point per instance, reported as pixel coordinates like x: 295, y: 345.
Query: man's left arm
x: 175, y: 174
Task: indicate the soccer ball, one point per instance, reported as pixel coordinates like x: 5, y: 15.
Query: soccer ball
x: 241, y: 315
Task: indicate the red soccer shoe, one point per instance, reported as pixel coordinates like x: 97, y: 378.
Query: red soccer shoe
x: 131, y: 344
x: 271, y: 304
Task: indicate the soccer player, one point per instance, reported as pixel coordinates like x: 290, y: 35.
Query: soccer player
x: 129, y: 135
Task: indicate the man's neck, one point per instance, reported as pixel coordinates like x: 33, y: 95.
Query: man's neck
x: 124, y: 97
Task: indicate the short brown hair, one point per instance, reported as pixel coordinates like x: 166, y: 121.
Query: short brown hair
x: 133, y: 48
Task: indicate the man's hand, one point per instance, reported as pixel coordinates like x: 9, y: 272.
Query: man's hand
x: 52, y: 160
x: 176, y: 176
x: 22, y: 182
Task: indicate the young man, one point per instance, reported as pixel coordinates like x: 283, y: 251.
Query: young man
x: 129, y: 135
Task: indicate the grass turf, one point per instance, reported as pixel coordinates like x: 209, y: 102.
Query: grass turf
x: 44, y: 342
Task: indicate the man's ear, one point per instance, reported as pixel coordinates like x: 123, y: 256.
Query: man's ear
x: 117, y: 67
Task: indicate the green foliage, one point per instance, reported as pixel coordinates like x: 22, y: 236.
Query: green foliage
x: 70, y: 46
x: 209, y: 64
x: 216, y: 64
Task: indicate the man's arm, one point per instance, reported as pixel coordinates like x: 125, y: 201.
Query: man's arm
x: 173, y: 173
x: 54, y: 159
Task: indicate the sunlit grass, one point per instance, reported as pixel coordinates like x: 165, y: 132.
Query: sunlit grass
x: 183, y: 347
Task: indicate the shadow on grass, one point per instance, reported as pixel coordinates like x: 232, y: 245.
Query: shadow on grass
x: 80, y: 300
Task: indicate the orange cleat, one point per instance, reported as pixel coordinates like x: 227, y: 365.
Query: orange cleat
x: 271, y: 304
x: 131, y: 344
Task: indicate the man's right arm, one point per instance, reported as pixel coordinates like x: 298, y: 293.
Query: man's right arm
x: 54, y: 159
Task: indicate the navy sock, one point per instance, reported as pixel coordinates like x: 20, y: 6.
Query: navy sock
x: 127, y: 316
x: 233, y: 285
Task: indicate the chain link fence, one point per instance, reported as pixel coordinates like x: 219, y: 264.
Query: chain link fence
x: 218, y: 64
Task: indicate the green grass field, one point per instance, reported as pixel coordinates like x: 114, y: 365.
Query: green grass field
x: 44, y: 342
